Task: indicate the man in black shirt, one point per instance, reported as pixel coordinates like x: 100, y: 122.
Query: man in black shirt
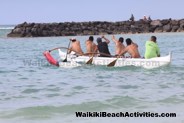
x: 103, y: 46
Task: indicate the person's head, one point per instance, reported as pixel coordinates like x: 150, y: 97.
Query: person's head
x: 121, y: 39
x: 99, y: 40
x: 73, y: 39
x: 154, y: 39
x: 91, y: 38
x: 128, y: 41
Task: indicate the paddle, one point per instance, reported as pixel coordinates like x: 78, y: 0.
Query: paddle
x: 58, y: 48
x: 65, y: 60
x: 89, y: 53
x: 112, y: 63
x: 90, y: 60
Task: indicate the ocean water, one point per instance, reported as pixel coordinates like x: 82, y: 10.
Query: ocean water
x: 32, y: 91
x: 5, y: 29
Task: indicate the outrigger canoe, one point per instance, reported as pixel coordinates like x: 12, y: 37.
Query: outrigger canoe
x: 75, y: 60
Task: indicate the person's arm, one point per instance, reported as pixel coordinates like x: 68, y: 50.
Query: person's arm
x: 114, y: 39
x: 87, y: 46
x: 124, y: 51
x: 106, y: 40
x: 95, y: 48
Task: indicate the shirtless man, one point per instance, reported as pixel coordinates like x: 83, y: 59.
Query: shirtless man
x: 91, y: 46
x: 119, y: 45
x: 75, y: 46
x: 131, y: 48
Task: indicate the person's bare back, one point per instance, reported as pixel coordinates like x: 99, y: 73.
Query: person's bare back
x: 91, y: 47
x: 119, y: 46
x: 132, y: 49
x: 76, y: 47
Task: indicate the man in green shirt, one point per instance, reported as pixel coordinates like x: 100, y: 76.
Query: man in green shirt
x: 152, y: 49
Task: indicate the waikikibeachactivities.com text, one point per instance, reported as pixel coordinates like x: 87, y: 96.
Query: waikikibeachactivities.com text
x: 123, y: 114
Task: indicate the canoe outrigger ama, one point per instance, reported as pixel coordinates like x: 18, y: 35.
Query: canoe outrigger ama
x: 74, y: 60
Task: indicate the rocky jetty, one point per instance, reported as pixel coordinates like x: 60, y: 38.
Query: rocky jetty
x: 96, y: 28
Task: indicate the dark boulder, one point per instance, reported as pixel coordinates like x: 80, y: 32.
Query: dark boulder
x: 180, y: 29
x: 14, y: 35
x: 34, y: 32
x: 182, y: 25
x: 159, y: 29
x: 44, y: 33
x: 174, y: 28
x: 165, y: 21
x: 28, y: 30
x: 174, y: 22
x: 152, y: 28
x: 167, y: 28
x: 156, y: 23
x: 17, y: 30
x: 181, y: 21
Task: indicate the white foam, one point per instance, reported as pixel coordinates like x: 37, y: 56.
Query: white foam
x: 6, y: 27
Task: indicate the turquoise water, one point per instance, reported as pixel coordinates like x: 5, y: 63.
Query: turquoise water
x: 32, y: 91
x: 5, y: 29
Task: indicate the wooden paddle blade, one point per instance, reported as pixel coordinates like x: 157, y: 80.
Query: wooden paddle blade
x: 65, y: 60
x: 112, y: 63
x: 90, y: 61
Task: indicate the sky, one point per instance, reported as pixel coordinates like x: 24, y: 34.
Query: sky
x: 47, y: 11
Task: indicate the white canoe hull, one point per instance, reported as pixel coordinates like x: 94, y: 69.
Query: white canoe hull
x: 121, y: 62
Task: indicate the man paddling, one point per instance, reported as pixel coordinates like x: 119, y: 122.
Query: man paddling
x: 119, y: 45
x: 91, y: 47
x: 103, y: 46
x: 152, y: 49
x: 75, y: 46
x: 131, y: 48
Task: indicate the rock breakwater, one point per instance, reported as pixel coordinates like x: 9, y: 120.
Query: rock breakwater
x: 96, y: 28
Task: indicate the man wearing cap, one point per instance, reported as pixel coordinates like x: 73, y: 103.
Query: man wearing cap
x: 75, y: 46
x: 91, y: 46
x: 103, y: 46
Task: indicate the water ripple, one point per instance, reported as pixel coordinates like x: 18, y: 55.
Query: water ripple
x: 42, y: 91
x: 29, y: 91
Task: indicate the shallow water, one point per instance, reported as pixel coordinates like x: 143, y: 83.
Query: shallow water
x: 31, y: 90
